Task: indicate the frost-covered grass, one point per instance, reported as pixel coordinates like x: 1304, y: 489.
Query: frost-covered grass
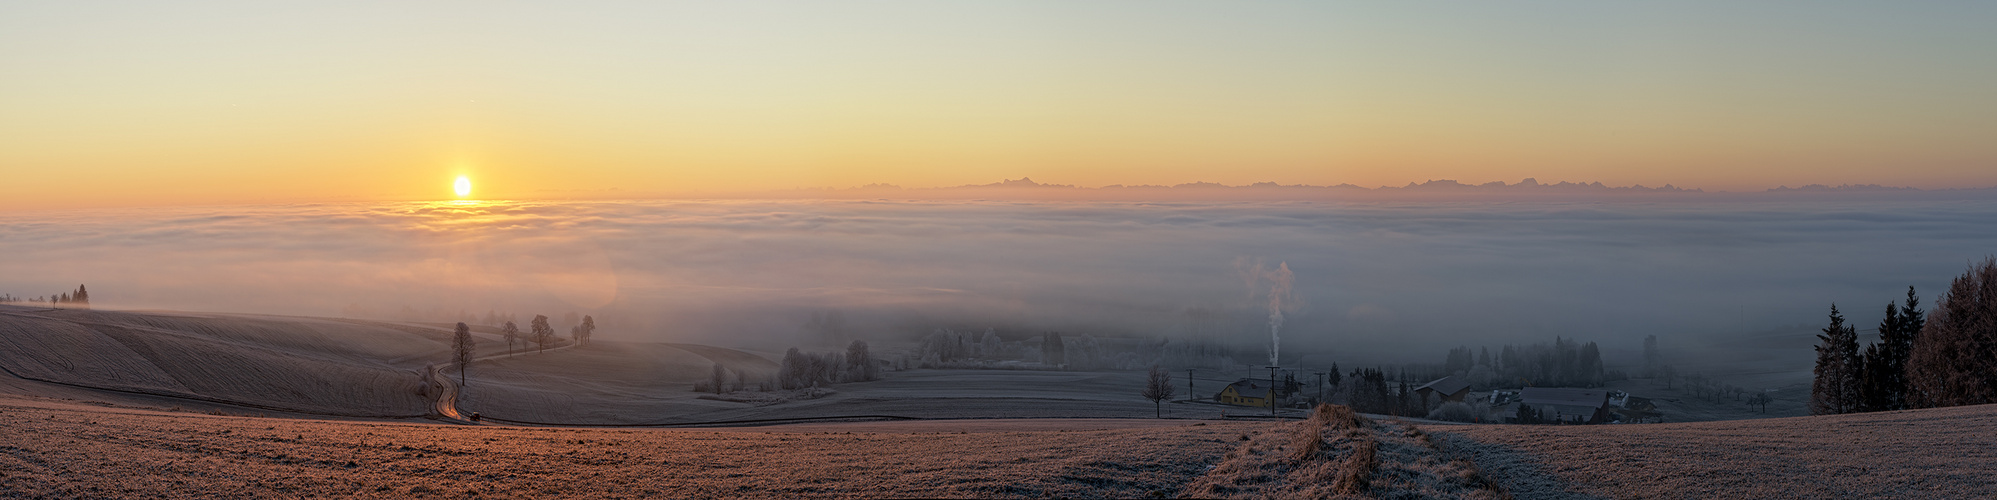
x: 1339, y: 454
x: 62, y: 449
x: 327, y: 367
x: 1937, y: 453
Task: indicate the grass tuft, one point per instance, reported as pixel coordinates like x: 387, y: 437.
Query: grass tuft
x: 1357, y: 473
x: 1338, y: 417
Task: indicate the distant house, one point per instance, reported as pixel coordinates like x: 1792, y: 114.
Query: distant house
x: 1245, y: 392
x: 1567, y: 404
x: 1449, y: 388
x: 1635, y: 409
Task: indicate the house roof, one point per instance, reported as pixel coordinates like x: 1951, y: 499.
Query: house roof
x: 1564, y: 396
x: 1249, y: 388
x: 1446, y: 385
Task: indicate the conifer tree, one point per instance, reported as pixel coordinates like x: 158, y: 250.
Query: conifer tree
x: 1835, y: 389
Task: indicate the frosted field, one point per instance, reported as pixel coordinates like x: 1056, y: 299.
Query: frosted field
x: 67, y: 450
x: 1938, y: 453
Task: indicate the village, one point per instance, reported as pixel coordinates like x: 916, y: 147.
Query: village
x: 1529, y: 405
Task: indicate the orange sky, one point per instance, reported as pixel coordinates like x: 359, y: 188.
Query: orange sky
x: 240, y: 102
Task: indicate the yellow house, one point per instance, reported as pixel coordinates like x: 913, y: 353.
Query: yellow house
x: 1246, y: 392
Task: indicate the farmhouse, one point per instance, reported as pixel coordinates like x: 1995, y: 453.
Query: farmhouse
x: 1567, y: 404
x: 1245, y: 392
x: 1450, y: 388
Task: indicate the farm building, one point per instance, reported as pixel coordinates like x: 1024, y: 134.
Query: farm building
x: 1450, y: 388
x: 1245, y: 392
x: 1567, y: 404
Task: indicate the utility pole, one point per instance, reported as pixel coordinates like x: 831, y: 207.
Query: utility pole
x: 1320, y: 387
x: 1272, y: 390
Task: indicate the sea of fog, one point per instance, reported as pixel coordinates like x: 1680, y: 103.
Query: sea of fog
x: 751, y: 273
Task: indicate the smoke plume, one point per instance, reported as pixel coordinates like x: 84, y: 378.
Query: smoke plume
x: 1278, y: 282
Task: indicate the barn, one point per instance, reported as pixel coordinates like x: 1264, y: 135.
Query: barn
x: 1450, y: 388
x: 1568, y: 404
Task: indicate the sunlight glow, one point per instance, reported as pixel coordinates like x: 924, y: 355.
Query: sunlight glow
x: 463, y: 186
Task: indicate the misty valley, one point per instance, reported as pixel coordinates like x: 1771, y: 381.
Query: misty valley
x: 1335, y: 349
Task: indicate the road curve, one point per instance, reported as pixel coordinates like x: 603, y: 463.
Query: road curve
x: 446, y: 405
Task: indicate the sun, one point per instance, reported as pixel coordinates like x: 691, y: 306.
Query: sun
x: 463, y: 186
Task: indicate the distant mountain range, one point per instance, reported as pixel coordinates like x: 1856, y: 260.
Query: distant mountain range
x: 1027, y: 189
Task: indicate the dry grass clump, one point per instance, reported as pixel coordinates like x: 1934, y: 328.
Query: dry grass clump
x: 1339, y: 417
x: 1339, y: 454
x: 1308, y: 442
x: 1356, y: 474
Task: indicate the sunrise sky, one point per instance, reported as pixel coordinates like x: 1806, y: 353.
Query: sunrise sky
x: 144, y: 103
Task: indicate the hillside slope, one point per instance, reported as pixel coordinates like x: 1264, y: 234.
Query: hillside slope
x: 1935, y: 453
x: 303, y: 365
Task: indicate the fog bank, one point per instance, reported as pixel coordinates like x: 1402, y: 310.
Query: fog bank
x: 1367, y: 277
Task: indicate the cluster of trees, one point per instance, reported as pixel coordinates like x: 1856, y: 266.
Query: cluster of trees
x: 1948, y: 358
x: 801, y: 369
x: 1528, y: 415
x: 1954, y: 359
x: 944, y: 348
x: 1565, y: 362
x: 1850, y: 381
x: 541, y: 332
x: 464, y: 347
x: 1053, y: 351
x: 79, y: 298
x: 582, y: 331
x: 1366, y: 390
x: 1197, y: 354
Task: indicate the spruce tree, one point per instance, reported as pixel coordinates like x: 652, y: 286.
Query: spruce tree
x: 1835, y: 389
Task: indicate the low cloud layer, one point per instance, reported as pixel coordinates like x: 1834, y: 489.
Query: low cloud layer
x: 1368, y: 277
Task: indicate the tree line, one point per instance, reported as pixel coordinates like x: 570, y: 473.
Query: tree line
x: 463, y: 346
x: 802, y: 370
x: 1947, y: 357
x: 1564, y: 363
x: 78, y: 298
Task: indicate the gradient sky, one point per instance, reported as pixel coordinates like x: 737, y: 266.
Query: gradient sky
x: 140, y: 103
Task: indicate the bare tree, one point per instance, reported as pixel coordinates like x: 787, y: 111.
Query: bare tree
x: 720, y: 377
x: 1158, y: 388
x: 859, y: 362
x: 512, y: 332
x: 1760, y: 399
x: 1954, y: 358
x: 462, y: 345
x: 542, y: 332
x: 585, y: 330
